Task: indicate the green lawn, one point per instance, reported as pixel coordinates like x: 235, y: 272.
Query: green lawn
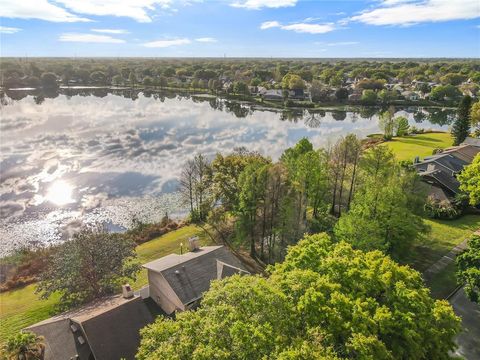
x: 408, y: 147
x: 443, y: 236
x: 22, y: 307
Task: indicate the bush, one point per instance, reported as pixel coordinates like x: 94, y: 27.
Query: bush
x: 443, y: 209
x: 415, y: 130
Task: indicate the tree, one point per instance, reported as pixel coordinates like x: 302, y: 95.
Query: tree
x: 325, y: 301
x: 292, y: 82
x: 341, y: 94
x: 386, y: 123
x: 475, y: 115
x: 147, y: 81
x: 49, y: 80
x: 117, y: 80
x: 318, y: 91
x: 461, y: 126
x: 195, y: 187
x: 468, y: 269
x: 132, y: 79
x: 24, y: 345
x: 402, y: 126
x: 94, y: 263
x: 441, y: 92
x: 239, y: 87
x: 470, y: 181
x: 383, y: 212
x: 369, y: 97
x: 98, y: 77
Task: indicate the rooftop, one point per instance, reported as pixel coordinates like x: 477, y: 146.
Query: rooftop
x: 172, y: 260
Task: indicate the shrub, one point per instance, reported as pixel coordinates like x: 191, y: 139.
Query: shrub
x: 441, y: 209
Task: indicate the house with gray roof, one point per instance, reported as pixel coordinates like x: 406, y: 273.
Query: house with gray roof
x: 105, y: 329
x: 109, y: 328
x: 440, y: 171
x: 177, y: 282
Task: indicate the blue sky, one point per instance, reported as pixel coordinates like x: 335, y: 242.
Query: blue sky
x: 240, y: 28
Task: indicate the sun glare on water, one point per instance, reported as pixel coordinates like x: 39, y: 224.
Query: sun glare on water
x: 60, y: 193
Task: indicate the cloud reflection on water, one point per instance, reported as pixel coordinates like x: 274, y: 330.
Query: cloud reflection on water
x: 121, y: 156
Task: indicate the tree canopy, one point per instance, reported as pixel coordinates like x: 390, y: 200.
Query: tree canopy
x: 325, y: 301
x: 92, y: 264
x: 468, y: 269
x: 470, y: 181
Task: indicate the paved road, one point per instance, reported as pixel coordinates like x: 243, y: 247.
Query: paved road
x: 469, y: 339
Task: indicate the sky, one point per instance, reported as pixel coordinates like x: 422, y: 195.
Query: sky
x: 240, y: 28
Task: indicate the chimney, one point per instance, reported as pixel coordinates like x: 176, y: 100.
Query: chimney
x: 194, y: 243
x: 127, y: 291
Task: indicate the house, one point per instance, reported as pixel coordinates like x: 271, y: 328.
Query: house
x: 177, y: 282
x: 410, y: 95
x: 274, y: 94
x: 296, y: 94
x: 109, y: 328
x: 439, y: 171
x: 105, y: 329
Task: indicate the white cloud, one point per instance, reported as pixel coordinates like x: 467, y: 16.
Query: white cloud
x: 36, y: 9
x: 258, y: 4
x: 206, y: 40
x: 408, y: 12
x: 111, y: 31
x: 343, y: 43
x: 269, y: 25
x: 300, y: 27
x: 167, y: 43
x: 89, y: 38
x: 8, y: 30
x: 135, y: 9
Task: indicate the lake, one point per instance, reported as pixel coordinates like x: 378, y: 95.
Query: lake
x: 105, y: 156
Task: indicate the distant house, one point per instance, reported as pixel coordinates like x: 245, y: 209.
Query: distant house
x: 440, y: 171
x: 177, y: 282
x: 296, y: 94
x: 106, y: 329
x: 410, y: 95
x: 274, y: 94
x: 253, y: 90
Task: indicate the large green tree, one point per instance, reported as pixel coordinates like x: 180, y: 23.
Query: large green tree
x: 325, y: 301
x: 382, y: 214
x: 470, y: 181
x: 468, y: 269
x: 461, y: 126
x: 92, y: 264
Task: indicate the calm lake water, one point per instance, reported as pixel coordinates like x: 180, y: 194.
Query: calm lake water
x: 102, y: 156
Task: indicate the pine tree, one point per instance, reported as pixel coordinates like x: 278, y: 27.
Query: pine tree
x: 461, y: 127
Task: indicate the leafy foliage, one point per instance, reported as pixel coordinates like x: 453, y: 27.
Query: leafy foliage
x: 470, y: 181
x: 24, y: 345
x: 383, y: 212
x: 461, y: 126
x: 325, y: 301
x: 92, y: 264
x: 468, y: 269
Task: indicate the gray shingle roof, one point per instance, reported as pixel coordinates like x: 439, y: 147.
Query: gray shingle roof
x: 472, y: 141
x: 190, y: 274
x: 110, y: 327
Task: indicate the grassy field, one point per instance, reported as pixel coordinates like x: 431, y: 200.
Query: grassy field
x: 407, y: 147
x: 22, y: 307
x: 443, y: 236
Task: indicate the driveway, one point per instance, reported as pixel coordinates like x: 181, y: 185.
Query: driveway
x: 469, y: 339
